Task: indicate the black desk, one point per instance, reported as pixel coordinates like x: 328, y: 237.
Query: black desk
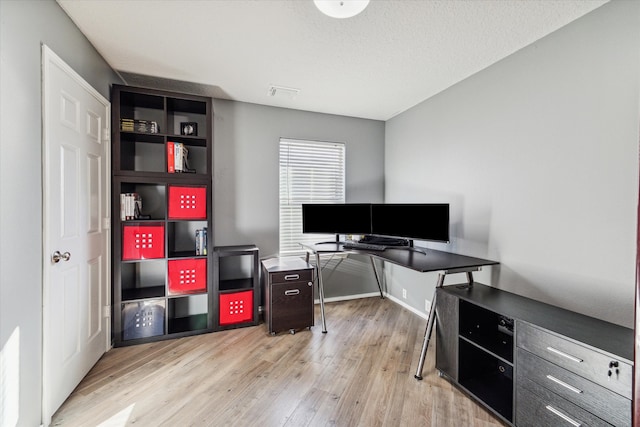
x: 418, y: 259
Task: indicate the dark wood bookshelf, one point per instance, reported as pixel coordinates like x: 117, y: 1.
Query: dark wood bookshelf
x: 144, y: 292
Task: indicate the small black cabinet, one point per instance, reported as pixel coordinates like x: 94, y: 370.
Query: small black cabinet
x: 488, y: 329
x: 485, y: 352
x: 487, y: 377
x: 288, y: 283
x: 237, y: 285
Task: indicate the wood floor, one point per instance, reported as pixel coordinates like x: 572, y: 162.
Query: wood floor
x: 358, y: 374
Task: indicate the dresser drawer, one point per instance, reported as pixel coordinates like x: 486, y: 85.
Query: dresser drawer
x: 292, y: 276
x: 584, y: 361
x: 538, y: 407
x: 598, y: 400
x: 290, y: 306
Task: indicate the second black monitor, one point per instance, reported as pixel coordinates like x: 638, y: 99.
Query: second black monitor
x: 421, y: 221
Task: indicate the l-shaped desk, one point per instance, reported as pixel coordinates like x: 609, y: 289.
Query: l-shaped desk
x: 417, y: 259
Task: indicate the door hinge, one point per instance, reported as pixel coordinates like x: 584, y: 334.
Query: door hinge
x: 106, y: 134
x: 106, y: 223
x: 106, y: 311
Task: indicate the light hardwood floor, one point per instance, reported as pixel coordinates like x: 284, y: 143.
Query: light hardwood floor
x: 358, y: 374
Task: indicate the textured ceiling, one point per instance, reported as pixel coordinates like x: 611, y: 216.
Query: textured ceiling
x: 389, y: 58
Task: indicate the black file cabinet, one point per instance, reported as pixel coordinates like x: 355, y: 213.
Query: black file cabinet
x: 288, y: 284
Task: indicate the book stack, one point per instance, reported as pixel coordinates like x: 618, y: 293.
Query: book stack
x: 135, y: 125
x: 130, y: 206
x: 201, y: 241
x: 177, y: 158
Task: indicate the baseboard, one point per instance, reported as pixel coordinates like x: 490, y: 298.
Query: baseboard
x: 349, y: 297
x: 407, y: 306
x: 375, y: 294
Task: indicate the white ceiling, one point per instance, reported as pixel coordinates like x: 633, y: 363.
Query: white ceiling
x: 375, y: 65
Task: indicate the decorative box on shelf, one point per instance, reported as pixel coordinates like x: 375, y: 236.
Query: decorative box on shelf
x: 236, y: 307
x: 142, y: 241
x: 143, y: 319
x: 187, y: 202
x: 187, y: 275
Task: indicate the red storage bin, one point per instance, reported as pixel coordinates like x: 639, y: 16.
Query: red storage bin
x: 187, y: 275
x: 236, y: 307
x: 187, y: 202
x: 142, y: 242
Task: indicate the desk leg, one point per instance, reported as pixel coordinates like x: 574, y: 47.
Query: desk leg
x: 427, y: 333
x: 321, y: 293
x: 470, y: 278
x: 375, y: 272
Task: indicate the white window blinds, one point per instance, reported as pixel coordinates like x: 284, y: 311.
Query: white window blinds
x: 310, y: 172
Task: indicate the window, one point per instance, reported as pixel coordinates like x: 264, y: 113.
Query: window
x: 310, y: 172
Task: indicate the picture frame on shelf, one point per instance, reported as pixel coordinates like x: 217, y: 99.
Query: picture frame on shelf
x: 189, y: 128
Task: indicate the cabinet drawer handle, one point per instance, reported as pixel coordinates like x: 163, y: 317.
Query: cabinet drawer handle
x: 563, y: 384
x: 292, y: 277
x: 292, y: 292
x: 563, y: 416
x: 563, y: 354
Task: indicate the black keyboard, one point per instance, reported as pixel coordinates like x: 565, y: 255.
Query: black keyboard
x: 364, y: 246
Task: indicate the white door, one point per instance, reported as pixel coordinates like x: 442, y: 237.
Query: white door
x: 76, y: 230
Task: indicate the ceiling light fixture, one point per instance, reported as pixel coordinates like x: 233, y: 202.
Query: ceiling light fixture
x: 341, y: 8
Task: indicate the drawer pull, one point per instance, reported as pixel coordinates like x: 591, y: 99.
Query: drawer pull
x: 292, y: 277
x: 292, y: 292
x: 563, y: 384
x: 563, y: 354
x: 563, y: 416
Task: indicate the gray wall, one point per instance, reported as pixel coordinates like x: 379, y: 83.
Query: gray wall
x: 24, y: 26
x: 538, y: 156
x: 246, y: 174
x: 246, y: 181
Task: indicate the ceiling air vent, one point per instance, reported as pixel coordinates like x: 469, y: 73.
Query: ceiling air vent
x: 281, y: 91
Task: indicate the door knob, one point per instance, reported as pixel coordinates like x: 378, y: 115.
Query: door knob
x: 57, y: 256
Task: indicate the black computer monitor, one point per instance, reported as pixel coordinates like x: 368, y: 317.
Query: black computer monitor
x: 341, y: 218
x: 421, y: 221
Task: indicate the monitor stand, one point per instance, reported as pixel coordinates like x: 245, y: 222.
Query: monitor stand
x: 411, y: 248
x: 337, y: 241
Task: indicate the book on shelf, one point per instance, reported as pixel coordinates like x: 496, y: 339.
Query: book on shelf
x: 177, y: 158
x: 142, y: 126
x: 178, y: 153
x: 201, y: 241
x: 171, y: 159
x: 130, y: 206
x: 204, y: 241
